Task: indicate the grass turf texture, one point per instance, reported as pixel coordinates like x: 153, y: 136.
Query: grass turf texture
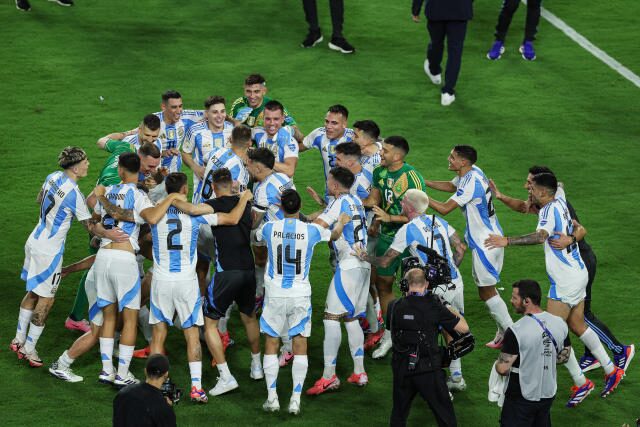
x: 566, y: 110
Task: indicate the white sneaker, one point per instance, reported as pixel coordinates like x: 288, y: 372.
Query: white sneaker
x: 256, y: 372
x: 456, y: 383
x: 447, y: 99
x: 129, y: 379
x: 224, y: 386
x: 294, y: 406
x: 106, y: 377
x: 383, y: 348
x: 64, y: 373
x: 271, y: 405
x: 436, y: 79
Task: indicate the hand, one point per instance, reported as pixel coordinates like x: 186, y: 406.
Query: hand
x: 178, y: 197
x: 560, y: 241
x: 174, y: 151
x: 314, y: 195
x: 164, y: 171
x: 99, y: 190
x: 199, y: 171
x: 374, y: 229
x: 116, y: 235
x: 496, y: 193
x: 64, y: 272
x: 344, y: 218
x: 359, y: 251
x: 169, y: 401
x: 149, y: 182
x: 495, y: 241
x: 246, y: 195
x: 381, y: 214
x: 415, y: 18
x: 235, y: 187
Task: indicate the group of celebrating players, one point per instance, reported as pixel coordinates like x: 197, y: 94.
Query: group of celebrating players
x: 251, y: 250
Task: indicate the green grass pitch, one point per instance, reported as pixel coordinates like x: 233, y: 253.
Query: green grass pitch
x: 567, y: 110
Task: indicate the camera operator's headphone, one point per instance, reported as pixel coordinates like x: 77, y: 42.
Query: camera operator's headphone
x: 408, y: 264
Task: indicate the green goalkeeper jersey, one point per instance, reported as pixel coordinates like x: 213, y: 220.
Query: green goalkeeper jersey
x: 109, y: 173
x: 392, y: 186
x: 254, y: 117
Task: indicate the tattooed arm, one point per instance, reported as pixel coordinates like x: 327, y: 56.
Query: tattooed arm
x: 563, y: 356
x: 458, y: 248
x: 382, y: 261
x: 114, y: 211
x: 504, y: 363
x: 536, y: 238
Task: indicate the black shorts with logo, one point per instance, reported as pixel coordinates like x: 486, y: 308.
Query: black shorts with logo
x: 227, y: 287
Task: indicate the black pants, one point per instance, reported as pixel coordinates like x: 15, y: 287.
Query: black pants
x: 509, y: 7
x: 594, y: 323
x: 337, y: 16
x: 432, y: 387
x: 519, y: 412
x: 455, y: 32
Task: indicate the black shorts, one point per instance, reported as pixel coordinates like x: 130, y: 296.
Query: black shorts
x: 227, y: 287
x: 519, y: 412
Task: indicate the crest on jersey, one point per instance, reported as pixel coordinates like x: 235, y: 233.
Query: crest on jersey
x: 171, y: 134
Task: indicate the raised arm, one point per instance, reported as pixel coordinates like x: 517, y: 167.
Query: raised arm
x: 443, y: 208
x: 233, y: 217
x: 517, y: 205
x: 116, y: 212
x: 383, y: 261
x: 154, y: 214
x: 446, y: 186
x: 102, y: 142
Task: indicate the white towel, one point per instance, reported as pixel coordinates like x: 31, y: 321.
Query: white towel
x: 497, y: 386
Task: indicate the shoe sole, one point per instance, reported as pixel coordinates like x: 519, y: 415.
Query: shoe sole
x: 314, y: 43
x: 200, y: 400
x: 105, y: 381
x: 63, y: 378
x: 256, y: 377
x: 339, y: 49
x: 523, y: 57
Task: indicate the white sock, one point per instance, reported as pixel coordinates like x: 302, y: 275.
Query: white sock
x: 259, y: 281
x: 332, y: 339
x: 456, y: 367
x: 499, y: 312
x: 255, y: 358
x: 195, y: 369
x: 574, y: 370
x: 125, y: 354
x: 372, y: 316
x: 32, y: 337
x: 223, y: 370
x: 106, y: 354
x: 143, y: 323
x: 299, y: 373
x: 271, y: 367
x: 287, y: 346
x: 65, y: 361
x: 356, y: 345
x: 592, y: 342
x: 24, y: 317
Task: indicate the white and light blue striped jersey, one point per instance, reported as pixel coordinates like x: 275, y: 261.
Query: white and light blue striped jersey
x: 175, y: 244
x: 563, y: 266
x: 135, y: 141
x: 218, y: 159
x: 290, y: 244
x: 173, y: 136
x: 318, y: 139
x: 283, y: 145
x: 369, y: 163
x: 266, y: 195
x: 125, y: 196
x: 474, y: 198
x: 61, y: 201
x: 200, y: 141
x: 353, y: 233
x: 361, y: 188
x: 429, y: 231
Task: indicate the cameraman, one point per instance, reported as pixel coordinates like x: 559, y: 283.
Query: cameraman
x: 417, y: 362
x: 144, y: 404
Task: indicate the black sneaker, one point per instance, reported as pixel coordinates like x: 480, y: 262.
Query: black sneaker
x: 312, y: 39
x: 23, y: 5
x: 64, y: 2
x: 341, y: 45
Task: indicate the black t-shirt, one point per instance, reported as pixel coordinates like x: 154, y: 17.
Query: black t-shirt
x: 582, y: 244
x: 142, y: 405
x: 233, y: 244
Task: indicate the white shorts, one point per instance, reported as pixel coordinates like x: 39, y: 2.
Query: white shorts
x: 348, y: 292
x: 117, y: 279
x: 181, y: 296
x: 95, y: 312
x: 41, y: 271
x: 206, y: 243
x: 286, y: 317
x: 570, y: 292
x: 486, y: 265
x: 455, y: 297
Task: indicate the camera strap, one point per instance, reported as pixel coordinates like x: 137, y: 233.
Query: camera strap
x: 548, y: 332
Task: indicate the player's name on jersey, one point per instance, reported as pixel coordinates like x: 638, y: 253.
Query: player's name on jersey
x: 57, y: 189
x: 285, y: 186
x: 294, y: 236
x: 116, y: 196
x: 174, y: 210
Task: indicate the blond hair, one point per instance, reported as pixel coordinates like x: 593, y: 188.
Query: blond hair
x: 71, y: 156
x: 418, y: 199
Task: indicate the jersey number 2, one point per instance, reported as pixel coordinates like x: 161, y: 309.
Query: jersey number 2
x: 177, y: 230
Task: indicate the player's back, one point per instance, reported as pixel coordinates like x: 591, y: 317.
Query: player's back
x: 221, y: 158
x: 266, y: 195
x: 175, y: 239
x: 61, y: 201
x: 353, y: 233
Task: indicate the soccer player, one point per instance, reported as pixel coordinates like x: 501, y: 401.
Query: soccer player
x: 146, y: 133
x: 349, y: 288
x: 366, y: 134
x: 116, y: 269
x: 326, y: 138
x: 204, y: 137
x: 622, y: 354
x: 568, y: 276
x: 234, y: 280
x: 473, y: 196
x: 174, y: 288
x: 391, y: 180
x: 60, y: 201
x: 249, y: 109
x: 174, y: 124
x: 435, y: 233
x: 278, y: 139
x: 287, y: 303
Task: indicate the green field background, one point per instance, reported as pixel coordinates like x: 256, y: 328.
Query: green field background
x: 566, y: 110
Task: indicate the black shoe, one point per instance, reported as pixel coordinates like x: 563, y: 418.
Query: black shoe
x: 23, y: 5
x: 341, y: 45
x: 64, y: 2
x: 312, y: 39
